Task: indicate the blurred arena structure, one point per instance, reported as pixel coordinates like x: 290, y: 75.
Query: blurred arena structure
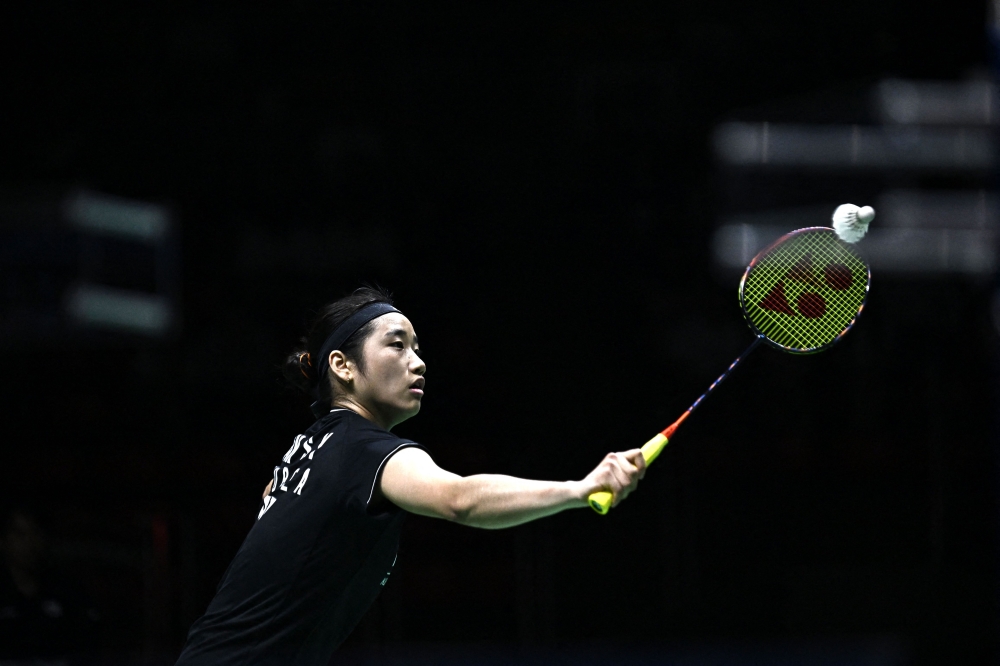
x: 936, y: 133
x: 914, y: 232
x: 87, y: 265
x: 924, y: 154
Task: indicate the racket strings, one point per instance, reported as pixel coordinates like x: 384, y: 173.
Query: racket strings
x: 804, y: 332
x: 787, y: 328
x: 806, y: 292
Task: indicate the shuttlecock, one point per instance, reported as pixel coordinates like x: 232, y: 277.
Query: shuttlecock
x: 851, y: 222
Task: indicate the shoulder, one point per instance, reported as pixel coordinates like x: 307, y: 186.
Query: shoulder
x: 356, y: 437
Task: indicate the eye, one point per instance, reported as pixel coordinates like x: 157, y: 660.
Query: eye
x: 397, y: 344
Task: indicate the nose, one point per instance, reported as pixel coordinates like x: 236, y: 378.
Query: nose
x: 417, y: 365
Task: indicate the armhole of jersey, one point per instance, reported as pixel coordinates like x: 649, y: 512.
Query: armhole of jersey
x: 378, y: 472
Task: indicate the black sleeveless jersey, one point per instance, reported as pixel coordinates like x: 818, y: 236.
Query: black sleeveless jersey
x: 316, y: 558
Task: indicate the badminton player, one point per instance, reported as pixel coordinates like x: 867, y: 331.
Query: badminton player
x: 325, y: 538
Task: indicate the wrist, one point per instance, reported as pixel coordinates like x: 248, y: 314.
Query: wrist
x: 577, y: 493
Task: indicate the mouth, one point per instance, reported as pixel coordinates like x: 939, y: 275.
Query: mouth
x: 417, y: 387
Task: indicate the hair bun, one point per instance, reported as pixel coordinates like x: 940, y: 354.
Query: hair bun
x: 298, y: 370
x: 306, y: 366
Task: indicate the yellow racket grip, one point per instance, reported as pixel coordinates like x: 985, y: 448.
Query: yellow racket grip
x: 601, y: 500
x: 651, y: 449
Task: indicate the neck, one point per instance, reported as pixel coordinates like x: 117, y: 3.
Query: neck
x: 348, y: 402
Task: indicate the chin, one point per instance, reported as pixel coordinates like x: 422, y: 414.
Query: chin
x: 407, y: 412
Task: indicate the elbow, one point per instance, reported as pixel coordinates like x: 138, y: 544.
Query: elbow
x: 463, y: 510
x: 464, y: 506
x: 459, y: 506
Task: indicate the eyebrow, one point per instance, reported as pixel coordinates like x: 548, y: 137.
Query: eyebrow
x: 401, y: 333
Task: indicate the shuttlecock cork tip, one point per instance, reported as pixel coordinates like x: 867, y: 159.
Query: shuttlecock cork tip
x: 851, y: 222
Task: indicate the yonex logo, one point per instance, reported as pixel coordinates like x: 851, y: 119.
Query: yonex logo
x: 805, y: 291
x: 809, y: 303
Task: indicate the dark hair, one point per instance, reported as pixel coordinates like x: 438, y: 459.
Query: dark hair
x: 302, y: 371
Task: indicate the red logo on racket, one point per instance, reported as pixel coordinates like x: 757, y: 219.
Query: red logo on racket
x: 811, y: 304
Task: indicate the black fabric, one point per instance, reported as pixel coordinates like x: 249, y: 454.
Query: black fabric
x: 348, y: 328
x: 316, y: 558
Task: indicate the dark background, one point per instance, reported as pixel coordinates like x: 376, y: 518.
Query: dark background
x: 534, y: 183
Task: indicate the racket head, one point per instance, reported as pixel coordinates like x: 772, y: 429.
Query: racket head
x: 804, y: 292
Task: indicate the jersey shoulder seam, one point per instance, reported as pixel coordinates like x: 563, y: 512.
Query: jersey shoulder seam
x: 378, y: 471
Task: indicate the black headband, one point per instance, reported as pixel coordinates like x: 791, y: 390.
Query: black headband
x: 348, y: 328
x: 339, y: 336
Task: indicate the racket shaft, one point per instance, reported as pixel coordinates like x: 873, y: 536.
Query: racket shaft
x: 601, y: 500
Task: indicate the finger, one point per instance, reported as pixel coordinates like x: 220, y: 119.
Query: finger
x: 632, y: 470
x: 613, y: 485
x: 620, y: 468
x: 635, y: 457
x: 620, y: 480
x: 607, y: 479
x: 625, y: 492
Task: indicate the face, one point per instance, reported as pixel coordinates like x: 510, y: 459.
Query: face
x: 392, y: 384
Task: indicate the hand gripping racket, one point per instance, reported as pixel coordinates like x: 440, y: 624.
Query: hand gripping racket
x: 801, y: 294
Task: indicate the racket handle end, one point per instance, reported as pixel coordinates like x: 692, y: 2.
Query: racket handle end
x: 600, y: 501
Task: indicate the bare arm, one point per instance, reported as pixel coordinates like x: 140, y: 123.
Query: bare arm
x: 412, y: 481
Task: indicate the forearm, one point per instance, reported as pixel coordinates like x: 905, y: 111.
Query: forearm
x: 412, y: 481
x: 494, y: 501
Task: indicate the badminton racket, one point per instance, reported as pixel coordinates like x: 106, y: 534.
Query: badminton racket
x: 801, y: 294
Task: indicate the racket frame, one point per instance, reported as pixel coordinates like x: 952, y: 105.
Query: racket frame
x: 785, y: 348
x: 600, y: 501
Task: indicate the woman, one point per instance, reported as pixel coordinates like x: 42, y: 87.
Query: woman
x: 326, y: 536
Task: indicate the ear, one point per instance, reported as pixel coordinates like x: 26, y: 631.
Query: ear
x: 340, y: 367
